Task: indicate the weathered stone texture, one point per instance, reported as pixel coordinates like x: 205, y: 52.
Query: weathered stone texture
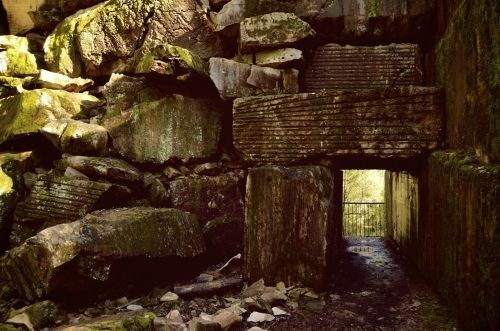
x: 357, y: 20
x: 402, y: 210
x: 235, y: 80
x: 359, y: 67
x: 55, y: 200
x: 467, y: 67
x: 29, y: 111
x: 105, y: 38
x: 147, y: 126
x: 55, y: 81
x: 384, y: 123
x: 273, y: 30
x: 107, y: 168
x: 289, y: 225
x: 17, y: 63
x: 218, y: 203
x: 77, y: 137
x: 454, y: 235
x: 107, y: 236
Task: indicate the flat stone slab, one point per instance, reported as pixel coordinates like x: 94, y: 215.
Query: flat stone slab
x: 360, y: 67
x: 385, y: 123
x: 289, y: 220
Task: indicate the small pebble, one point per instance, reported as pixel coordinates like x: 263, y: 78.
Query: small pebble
x: 134, y: 307
x: 169, y: 297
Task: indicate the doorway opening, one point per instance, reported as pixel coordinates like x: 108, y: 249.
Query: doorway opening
x: 363, y: 206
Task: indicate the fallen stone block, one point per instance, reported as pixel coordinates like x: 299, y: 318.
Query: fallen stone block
x: 360, y: 67
x: 15, y: 42
x: 56, y: 81
x: 40, y: 266
x: 287, y: 208
x: 274, y: 30
x: 76, y: 137
x: 234, y: 79
x: 16, y: 63
x: 107, y: 168
x: 29, y: 111
x: 279, y: 58
x: 147, y: 126
x: 55, y: 200
x: 136, y: 320
x: 395, y: 123
x: 218, y: 203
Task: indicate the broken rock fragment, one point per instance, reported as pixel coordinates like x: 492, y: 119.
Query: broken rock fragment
x: 56, y: 81
x: 106, y: 236
x: 234, y: 79
x: 274, y: 30
x: 17, y: 63
x: 29, y: 111
x: 107, y: 168
x: 278, y: 58
x: 77, y: 137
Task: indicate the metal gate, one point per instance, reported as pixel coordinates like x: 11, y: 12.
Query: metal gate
x: 363, y: 219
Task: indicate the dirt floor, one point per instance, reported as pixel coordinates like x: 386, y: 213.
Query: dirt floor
x: 371, y: 291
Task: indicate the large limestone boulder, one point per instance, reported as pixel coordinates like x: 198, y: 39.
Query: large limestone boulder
x: 235, y: 80
x: 29, y: 111
x: 148, y: 126
x: 54, y: 200
x: 273, y: 30
x: 106, y: 236
x: 105, y: 38
x: 289, y: 225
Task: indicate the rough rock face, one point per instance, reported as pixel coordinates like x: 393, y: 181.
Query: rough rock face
x: 29, y: 111
x: 108, y: 236
x: 278, y: 58
x: 104, y: 38
x: 234, y: 79
x: 357, y: 21
x: 218, y: 202
x: 76, y: 137
x: 17, y: 63
x: 55, y: 200
x: 289, y: 221
x: 385, y: 123
x: 273, y: 30
x: 55, y: 81
x: 107, y: 168
x: 360, y: 67
x: 176, y: 127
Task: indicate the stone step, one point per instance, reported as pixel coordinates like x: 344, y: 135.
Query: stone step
x: 399, y: 123
x: 358, y: 67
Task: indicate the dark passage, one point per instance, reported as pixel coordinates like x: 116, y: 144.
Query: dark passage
x: 372, y: 290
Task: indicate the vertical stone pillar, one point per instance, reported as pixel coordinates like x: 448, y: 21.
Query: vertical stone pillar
x: 289, y: 225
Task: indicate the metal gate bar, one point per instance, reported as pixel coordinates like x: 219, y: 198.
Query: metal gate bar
x: 363, y: 219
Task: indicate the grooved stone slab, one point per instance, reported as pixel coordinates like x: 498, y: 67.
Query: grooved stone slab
x: 358, y: 67
x: 385, y: 123
x: 55, y: 200
x: 289, y: 220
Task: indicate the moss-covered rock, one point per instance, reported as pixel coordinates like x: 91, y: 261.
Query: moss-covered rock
x: 55, y: 81
x: 105, y: 38
x: 130, y: 321
x: 35, y: 316
x: 147, y: 126
x: 15, y: 42
x: 468, y: 67
x: 17, y: 63
x: 29, y: 111
x: 34, y: 269
x: 10, y: 86
x: 76, y: 137
x: 273, y: 30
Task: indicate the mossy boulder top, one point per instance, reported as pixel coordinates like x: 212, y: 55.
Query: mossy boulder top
x: 107, y: 37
